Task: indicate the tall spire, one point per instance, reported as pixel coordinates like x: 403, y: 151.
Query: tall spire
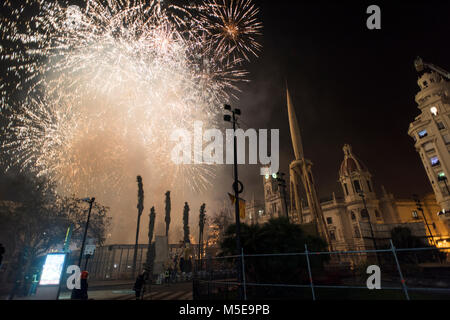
x: 295, y: 130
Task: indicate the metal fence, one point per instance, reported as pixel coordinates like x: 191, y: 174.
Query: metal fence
x: 410, y: 273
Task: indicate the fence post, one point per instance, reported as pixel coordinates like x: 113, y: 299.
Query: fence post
x: 310, y: 274
x: 243, y: 273
x: 405, y: 288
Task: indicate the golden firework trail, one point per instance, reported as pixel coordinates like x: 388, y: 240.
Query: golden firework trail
x: 91, y: 94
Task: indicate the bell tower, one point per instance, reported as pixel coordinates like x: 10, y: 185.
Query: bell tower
x: 301, y: 171
x: 354, y: 177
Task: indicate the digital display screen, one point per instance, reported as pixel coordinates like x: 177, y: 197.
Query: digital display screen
x: 53, y: 267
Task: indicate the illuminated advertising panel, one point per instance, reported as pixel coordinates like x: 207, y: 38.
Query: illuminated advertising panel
x: 53, y: 268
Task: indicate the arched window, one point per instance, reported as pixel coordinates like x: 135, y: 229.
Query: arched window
x: 357, y: 185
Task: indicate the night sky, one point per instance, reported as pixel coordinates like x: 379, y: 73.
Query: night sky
x: 348, y: 84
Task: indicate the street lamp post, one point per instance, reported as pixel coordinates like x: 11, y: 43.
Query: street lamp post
x: 444, y: 179
x: 361, y: 194
x: 282, y: 184
x: 238, y: 188
x: 419, y: 207
x: 90, y: 201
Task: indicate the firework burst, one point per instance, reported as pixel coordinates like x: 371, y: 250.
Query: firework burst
x: 94, y: 92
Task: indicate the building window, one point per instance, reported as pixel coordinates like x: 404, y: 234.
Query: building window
x: 357, y: 185
x: 346, y: 189
x: 377, y: 214
x: 352, y: 214
x: 364, y: 214
x: 435, y: 161
x: 423, y: 134
x: 357, y: 233
x: 428, y: 146
x: 329, y: 220
x: 370, y: 187
x: 415, y: 215
x: 440, y: 126
x: 446, y: 138
x: 332, y: 235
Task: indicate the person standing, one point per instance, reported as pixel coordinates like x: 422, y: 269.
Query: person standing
x: 167, y: 276
x: 82, y: 293
x: 138, y: 285
x: 84, y: 285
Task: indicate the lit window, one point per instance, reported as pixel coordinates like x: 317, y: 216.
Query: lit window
x: 423, y: 134
x: 441, y: 176
x: 415, y: 215
x: 435, y: 161
x: 329, y: 220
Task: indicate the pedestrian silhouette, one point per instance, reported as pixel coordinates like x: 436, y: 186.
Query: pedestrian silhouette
x: 82, y: 293
x: 138, y: 285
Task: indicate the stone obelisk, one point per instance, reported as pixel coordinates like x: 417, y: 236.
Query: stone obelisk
x: 300, y: 171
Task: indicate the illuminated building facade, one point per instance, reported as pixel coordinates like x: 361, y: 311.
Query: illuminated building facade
x: 431, y: 134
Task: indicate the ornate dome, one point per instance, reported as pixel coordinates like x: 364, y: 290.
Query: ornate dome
x: 351, y: 163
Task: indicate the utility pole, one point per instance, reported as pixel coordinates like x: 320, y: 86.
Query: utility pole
x: 238, y: 188
x: 419, y: 207
x: 282, y: 185
x: 361, y: 194
x: 90, y: 201
x: 444, y: 179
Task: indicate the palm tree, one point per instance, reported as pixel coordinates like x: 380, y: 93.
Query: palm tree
x: 140, y: 208
x: 150, y: 249
x: 168, y: 207
x: 186, y: 223
x: 201, y: 224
